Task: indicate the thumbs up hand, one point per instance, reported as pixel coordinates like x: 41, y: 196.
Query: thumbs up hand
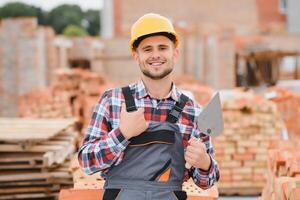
x: 132, y: 123
x: 196, y: 155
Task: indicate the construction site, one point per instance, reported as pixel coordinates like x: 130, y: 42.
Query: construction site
x: 248, y: 51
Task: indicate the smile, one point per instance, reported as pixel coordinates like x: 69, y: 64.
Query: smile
x: 156, y: 63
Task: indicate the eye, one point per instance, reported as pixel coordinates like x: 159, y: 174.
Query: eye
x: 147, y: 50
x: 163, y: 48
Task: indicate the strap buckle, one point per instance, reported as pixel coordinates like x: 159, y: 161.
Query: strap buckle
x: 131, y: 108
x: 175, y: 112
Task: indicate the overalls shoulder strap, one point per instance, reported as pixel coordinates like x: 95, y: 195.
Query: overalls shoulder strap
x: 129, y: 100
x: 175, y: 112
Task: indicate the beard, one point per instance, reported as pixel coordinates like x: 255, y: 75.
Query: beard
x: 159, y: 76
x: 153, y: 75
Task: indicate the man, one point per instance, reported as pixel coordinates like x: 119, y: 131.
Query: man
x: 141, y: 136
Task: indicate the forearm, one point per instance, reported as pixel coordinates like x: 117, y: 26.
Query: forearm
x: 101, y: 153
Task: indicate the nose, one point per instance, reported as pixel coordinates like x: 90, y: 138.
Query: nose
x: 155, y: 54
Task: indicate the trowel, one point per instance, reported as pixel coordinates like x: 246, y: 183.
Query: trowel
x: 210, y: 120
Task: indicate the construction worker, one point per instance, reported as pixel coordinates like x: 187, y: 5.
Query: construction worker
x: 141, y: 136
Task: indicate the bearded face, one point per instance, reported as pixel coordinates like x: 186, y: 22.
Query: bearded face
x: 156, y: 56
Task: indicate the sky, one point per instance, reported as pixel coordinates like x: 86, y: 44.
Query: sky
x: 49, y: 4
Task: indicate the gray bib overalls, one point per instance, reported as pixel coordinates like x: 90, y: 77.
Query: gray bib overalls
x: 153, y: 163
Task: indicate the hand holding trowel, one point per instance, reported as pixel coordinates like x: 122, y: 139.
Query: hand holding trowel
x: 210, y: 120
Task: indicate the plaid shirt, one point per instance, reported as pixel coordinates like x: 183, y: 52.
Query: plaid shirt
x: 104, y: 143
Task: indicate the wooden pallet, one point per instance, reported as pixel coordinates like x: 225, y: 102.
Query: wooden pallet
x: 16, y: 130
x: 30, y: 196
x: 41, y: 155
x: 19, y: 185
x: 48, y: 177
x: 34, y: 158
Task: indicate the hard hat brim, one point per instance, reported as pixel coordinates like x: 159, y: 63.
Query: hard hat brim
x: 171, y: 36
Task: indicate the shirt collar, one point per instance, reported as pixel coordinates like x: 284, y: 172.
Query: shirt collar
x: 141, y: 91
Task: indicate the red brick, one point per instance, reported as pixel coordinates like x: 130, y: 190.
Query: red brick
x: 243, y: 157
x: 76, y: 194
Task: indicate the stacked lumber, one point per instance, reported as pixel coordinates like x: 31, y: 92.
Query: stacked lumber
x: 83, y: 183
x: 283, y: 172
x: 250, y: 124
x: 288, y: 104
x: 35, y: 156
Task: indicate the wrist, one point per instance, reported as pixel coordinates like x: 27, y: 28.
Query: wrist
x: 125, y: 133
x: 206, y: 164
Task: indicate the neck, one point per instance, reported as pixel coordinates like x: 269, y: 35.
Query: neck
x: 158, y: 89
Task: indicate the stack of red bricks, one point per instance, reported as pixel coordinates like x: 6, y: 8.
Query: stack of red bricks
x: 283, y: 181
x: 250, y: 124
x: 241, y: 150
x: 288, y: 104
x: 83, y: 89
x: 44, y: 104
x: 73, y: 93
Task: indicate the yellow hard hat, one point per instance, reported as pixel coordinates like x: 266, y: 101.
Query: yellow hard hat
x: 152, y: 24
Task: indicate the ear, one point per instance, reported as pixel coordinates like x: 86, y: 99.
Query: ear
x: 135, y: 55
x: 176, y: 54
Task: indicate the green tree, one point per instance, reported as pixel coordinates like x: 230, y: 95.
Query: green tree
x: 62, y: 16
x: 74, y: 31
x: 58, y: 18
x: 93, y: 21
x: 16, y: 9
x: 42, y: 17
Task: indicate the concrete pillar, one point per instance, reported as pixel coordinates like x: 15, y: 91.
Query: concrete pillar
x: 63, y: 45
x: 107, y: 19
x: 293, y: 16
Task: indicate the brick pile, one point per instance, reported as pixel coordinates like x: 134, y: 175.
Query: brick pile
x: 83, y: 89
x: 73, y: 93
x: 288, y: 104
x: 250, y: 123
x: 202, y: 93
x: 45, y: 104
x: 283, y: 182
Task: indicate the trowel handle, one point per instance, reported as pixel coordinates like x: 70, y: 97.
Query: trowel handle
x: 187, y: 165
